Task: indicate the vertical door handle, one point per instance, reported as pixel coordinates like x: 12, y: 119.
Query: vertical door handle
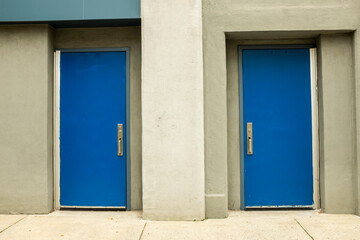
x: 120, y: 139
x: 249, y: 137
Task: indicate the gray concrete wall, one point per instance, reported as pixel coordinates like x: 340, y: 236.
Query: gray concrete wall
x: 336, y: 123
x: 117, y: 37
x: 26, y: 73
x: 172, y: 110
x: 259, y: 19
x: 233, y: 125
x: 357, y: 120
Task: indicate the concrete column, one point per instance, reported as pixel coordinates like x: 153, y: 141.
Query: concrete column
x: 357, y: 102
x: 172, y: 110
x: 337, y: 123
x: 216, y: 198
x: 26, y: 73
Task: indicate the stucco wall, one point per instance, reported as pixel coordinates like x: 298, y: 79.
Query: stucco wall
x: 172, y: 110
x: 357, y: 100
x: 26, y: 73
x: 117, y: 37
x: 259, y: 19
x: 233, y: 125
x: 336, y: 123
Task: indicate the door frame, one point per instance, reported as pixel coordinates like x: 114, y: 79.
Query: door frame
x: 56, y: 124
x: 314, y: 121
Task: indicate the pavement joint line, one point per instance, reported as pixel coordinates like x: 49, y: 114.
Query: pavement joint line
x: 13, y: 224
x: 304, y: 229
x: 142, y: 232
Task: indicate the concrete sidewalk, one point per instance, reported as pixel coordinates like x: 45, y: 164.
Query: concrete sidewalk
x: 129, y: 225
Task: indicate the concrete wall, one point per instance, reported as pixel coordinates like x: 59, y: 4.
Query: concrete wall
x: 233, y: 125
x: 172, y: 110
x: 188, y: 104
x: 259, y: 19
x: 117, y: 37
x: 26, y: 73
x: 357, y: 120
x: 336, y: 123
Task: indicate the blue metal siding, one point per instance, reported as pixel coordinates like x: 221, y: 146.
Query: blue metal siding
x: 55, y: 10
x: 111, y: 9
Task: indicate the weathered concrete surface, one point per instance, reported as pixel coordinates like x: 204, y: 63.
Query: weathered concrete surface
x: 172, y: 110
x: 233, y: 126
x: 239, y: 15
x: 116, y: 37
x: 78, y: 225
x: 336, y: 123
x: 325, y: 226
x: 357, y: 101
x: 8, y: 220
x: 26, y: 73
x: 235, y: 227
x: 267, y: 21
x: 250, y: 225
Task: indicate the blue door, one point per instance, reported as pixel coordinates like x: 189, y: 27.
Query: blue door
x: 277, y: 102
x: 92, y: 104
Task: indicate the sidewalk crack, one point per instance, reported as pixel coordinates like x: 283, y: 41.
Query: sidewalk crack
x: 142, y: 232
x: 303, y: 229
x: 12, y: 224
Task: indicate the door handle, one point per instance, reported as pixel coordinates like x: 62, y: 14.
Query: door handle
x: 249, y: 137
x: 120, y: 130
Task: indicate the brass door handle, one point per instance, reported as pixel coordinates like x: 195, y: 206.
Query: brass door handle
x: 120, y: 139
x: 249, y: 137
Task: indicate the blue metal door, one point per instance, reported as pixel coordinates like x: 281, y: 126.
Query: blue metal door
x: 92, y: 104
x: 277, y: 101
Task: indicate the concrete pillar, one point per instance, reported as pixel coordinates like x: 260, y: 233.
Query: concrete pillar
x: 357, y: 102
x: 172, y: 110
x: 337, y: 123
x: 216, y: 197
x: 26, y: 73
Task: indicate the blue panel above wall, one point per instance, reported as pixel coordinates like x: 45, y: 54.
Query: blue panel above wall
x: 63, y: 10
x: 111, y: 9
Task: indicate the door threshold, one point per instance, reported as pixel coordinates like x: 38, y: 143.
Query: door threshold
x: 279, y: 208
x: 87, y: 208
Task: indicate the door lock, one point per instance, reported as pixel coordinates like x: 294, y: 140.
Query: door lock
x: 249, y: 137
x: 120, y: 139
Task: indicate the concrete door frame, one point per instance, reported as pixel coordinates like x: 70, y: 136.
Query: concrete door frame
x: 56, y: 122
x: 314, y: 119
